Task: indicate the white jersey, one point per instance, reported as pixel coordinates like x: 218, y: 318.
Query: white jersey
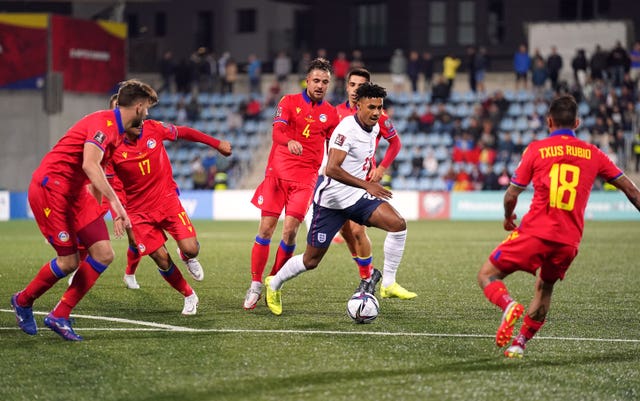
x: 360, y: 146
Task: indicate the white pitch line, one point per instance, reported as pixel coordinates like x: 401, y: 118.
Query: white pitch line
x: 152, y: 326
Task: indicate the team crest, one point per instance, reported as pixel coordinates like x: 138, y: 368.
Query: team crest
x: 141, y: 248
x: 260, y: 200
x: 323, y: 118
x: 340, y: 139
x: 99, y: 137
x: 63, y: 236
x: 322, y: 237
x: 151, y: 143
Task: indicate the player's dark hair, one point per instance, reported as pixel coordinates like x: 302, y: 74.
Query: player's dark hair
x: 369, y: 90
x: 113, y: 100
x: 564, y: 111
x: 319, y: 64
x: 132, y: 91
x: 359, y: 72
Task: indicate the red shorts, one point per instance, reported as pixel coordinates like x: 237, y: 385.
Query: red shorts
x: 149, y: 227
x: 523, y: 252
x: 61, y: 217
x: 275, y: 194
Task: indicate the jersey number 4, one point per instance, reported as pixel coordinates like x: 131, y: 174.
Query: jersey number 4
x: 562, y: 188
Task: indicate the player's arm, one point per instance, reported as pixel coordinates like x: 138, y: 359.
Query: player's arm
x: 510, y: 202
x: 193, y: 135
x: 389, y: 156
x: 92, y: 156
x: 627, y: 186
x: 335, y: 171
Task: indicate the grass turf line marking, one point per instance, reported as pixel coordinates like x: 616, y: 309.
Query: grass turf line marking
x: 152, y: 326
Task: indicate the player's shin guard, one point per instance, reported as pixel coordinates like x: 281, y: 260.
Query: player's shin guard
x: 497, y: 294
x: 393, y: 250
x: 176, y: 280
x: 133, y: 259
x: 529, y: 329
x: 291, y: 269
x: 47, y: 276
x: 259, y: 257
x: 284, y: 253
x: 86, y: 276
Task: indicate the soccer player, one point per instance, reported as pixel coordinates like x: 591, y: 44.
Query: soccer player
x: 142, y: 164
x: 301, y: 126
x: 355, y: 234
x: 345, y: 194
x: 563, y: 170
x: 68, y: 213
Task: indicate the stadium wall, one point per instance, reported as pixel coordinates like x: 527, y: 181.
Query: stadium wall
x: 413, y: 205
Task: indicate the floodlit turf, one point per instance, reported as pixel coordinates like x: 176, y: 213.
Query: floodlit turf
x: 438, y: 346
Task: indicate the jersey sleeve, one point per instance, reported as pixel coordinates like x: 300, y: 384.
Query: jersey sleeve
x: 167, y: 131
x: 340, y: 138
x: 387, y: 130
x: 607, y: 169
x: 283, y: 112
x: 100, y: 136
x: 524, y: 172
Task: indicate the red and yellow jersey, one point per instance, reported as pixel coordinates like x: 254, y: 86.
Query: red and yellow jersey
x: 61, y: 168
x: 563, y: 169
x: 311, y: 124
x: 144, y: 168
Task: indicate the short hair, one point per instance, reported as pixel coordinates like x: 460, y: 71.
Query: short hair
x: 369, y: 90
x: 359, y: 72
x: 112, y: 99
x: 132, y: 90
x: 319, y: 64
x: 564, y: 111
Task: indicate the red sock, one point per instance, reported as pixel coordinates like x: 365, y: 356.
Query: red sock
x: 285, y: 252
x: 497, y: 294
x: 176, y: 280
x: 86, y: 276
x: 47, y: 276
x: 259, y: 257
x: 364, y: 266
x: 529, y: 329
x: 133, y: 259
x: 83, y: 252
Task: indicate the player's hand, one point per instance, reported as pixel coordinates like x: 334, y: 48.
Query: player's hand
x: 509, y: 223
x: 225, y: 148
x: 376, y: 174
x: 121, y: 220
x: 377, y: 190
x: 295, y: 147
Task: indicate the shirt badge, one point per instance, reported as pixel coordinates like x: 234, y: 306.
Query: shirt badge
x: 99, y: 137
x: 340, y: 139
x: 63, y: 236
x: 323, y: 118
x: 151, y: 143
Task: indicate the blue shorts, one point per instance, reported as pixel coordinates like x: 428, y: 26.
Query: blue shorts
x: 326, y: 222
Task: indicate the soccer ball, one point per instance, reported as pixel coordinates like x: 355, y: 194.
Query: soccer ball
x: 363, y: 307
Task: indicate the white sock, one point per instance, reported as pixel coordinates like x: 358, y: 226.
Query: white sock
x: 256, y: 285
x: 292, y: 268
x: 393, y: 250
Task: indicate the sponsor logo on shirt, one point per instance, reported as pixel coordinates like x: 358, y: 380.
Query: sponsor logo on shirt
x: 151, y: 143
x: 323, y: 118
x: 124, y: 155
x: 109, y: 123
x: 47, y: 211
x: 298, y: 110
x: 322, y: 237
x: 340, y: 139
x: 63, y: 236
x: 99, y: 137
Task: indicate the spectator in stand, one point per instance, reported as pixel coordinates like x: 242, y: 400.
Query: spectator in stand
x: 579, y: 65
x: 356, y: 60
x: 598, y: 64
x: 303, y: 66
x: 205, y: 81
x: 193, y: 110
x: 426, y: 120
x: 635, y: 146
x: 282, y: 67
x: 501, y: 102
x: 634, y: 58
x: 554, y: 66
x: 506, y: 148
x: 488, y: 135
x: 471, y: 67
x: 427, y: 70
x: 430, y: 163
x: 340, y: 69
x: 181, y: 112
x: 618, y: 63
x: 490, y: 182
x: 440, y: 91
x: 222, y: 72
x: 538, y: 77
x: 398, y: 69
x: 521, y: 65
x: 444, y: 119
x: 481, y: 64
x: 198, y: 173
x: 254, y: 72
x: 450, y: 66
x: 183, y: 77
x: 413, y: 70
x: 252, y: 109
x: 417, y: 160
x: 167, y: 72
x: 231, y: 75
x: 210, y: 59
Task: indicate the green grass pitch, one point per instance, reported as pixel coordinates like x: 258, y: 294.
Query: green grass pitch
x: 438, y: 346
